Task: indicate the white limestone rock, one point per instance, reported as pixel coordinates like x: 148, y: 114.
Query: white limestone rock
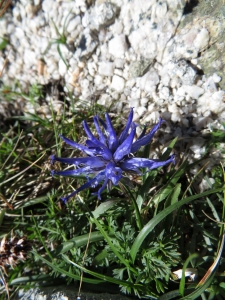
x: 92, y: 68
x: 106, y: 68
x: 118, y: 83
x: 202, y: 39
x: 217, y: 104
x: 164, y: 93
x: 100, y: 15
x: 105, y: 100
x: 152, y: 118
x: 205, y: 185
x: 149, y: 81
x: 210, y: 84
x: 62, y: 68
x: 73, y: 24
x: 141, y: 110
x: 119, y: 63
x: 216, y: 78
x: 181, y: 69
x: 192, y: 91
x: 198, y: 147
x: 118, y: 46
x: 142, y: 42
x: 212, y: 102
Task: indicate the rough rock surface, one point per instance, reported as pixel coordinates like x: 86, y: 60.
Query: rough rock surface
x: 65, y: 293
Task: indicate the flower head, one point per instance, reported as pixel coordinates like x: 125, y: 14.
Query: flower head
x: 109, y: 155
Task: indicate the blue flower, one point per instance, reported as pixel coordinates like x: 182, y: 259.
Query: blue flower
x: 108, y: 156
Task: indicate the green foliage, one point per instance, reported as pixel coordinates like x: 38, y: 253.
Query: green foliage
x: 134, y: 239
x: 61, y: 40
x: 3, y: 43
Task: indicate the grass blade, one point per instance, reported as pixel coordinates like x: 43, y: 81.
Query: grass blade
x: 158, y: 218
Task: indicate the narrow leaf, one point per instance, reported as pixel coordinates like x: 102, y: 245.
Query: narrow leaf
x: 158, y: 218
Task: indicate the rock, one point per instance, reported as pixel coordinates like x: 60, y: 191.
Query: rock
x: 100, y: 15
x: 141, y: 110
x: 206, y: 184
x: 217, y: 105
x: 138, y: 68
x: 73, y: 24
x: 142, y: 43
x: 216, y: 78
x: 118, y: 46
x: 149, y: 81
x: 62, y: 68
x: 118, y: 83
x: 202, y: 39
x: 65, y: 293
x: 87, y: 44
x: 119, y: 63
x: 106, y: 68
x: 183, y: 70
x: 192, y: 91
x: 105, y: 100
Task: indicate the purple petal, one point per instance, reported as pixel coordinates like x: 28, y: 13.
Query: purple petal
x: 94, y: 162
x: 101, y: 189
x: 93, y: 145
x: 113, y: 173
x: 112, y: 138
x: 95, y: 181
x: 103, y: 124
x: 100, y: 133
x: 90, y: 134
x: 125, y: 147
x: 130, y: 167
x: 143, y: 133
x: 124, y: 133
x: 80, y: 171
x: 131, y: 163
x: 147, y: 138
x: 91, y: 152
x: 100, y: 150
x: 106, y: 154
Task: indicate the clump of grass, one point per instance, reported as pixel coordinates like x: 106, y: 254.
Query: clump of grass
x: 61, y: 40
x: 134, y: 239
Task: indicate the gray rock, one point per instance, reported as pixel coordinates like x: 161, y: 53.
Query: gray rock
x: 139, y: 68
x: 65, y: 293
x: 100, y: 15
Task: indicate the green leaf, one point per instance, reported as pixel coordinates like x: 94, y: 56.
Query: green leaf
x: 2, y: 214
x: 103, y: 207
x: 182, y: 282
x: 198, y: 292
x: 171, y: 199
x: 169, y: 149
x: 222, y: 285
x: 102, y: 276
x: 141, y: 194
x: 31, y: 278
x: 114, y: 249
x: 167, y: 188
x: 3, y: 43
x: 62, y: 271
x: 60, y: 54
x: 100, y: 257
x: 158, y: 218
x: 174, y: 294
x: 173, y: 196
x: 78, y: 242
